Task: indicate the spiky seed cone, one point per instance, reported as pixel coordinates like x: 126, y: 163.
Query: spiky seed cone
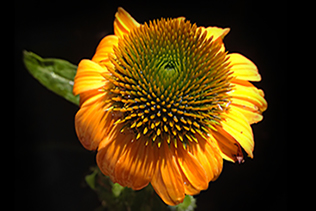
x: 169, y: 82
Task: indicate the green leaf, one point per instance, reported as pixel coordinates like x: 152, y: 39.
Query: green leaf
x: 56, y: 75
x: 90, y: 179
x: 188, y: 204
x: 117, y: 189
x: 115, y: 197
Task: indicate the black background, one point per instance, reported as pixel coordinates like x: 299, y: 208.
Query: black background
x: 50, y: 163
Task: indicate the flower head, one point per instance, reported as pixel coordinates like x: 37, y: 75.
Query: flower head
x: 163, y: 102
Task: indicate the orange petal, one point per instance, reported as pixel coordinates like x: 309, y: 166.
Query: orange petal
x: 104, y: 48
x: 91, y: 122
x: 243, y: 68
x: 238, y: 127
x: 167, y: 180
x: 135, y: 168
x: 208, y: 154
x: 123, y: 23
x: 88, y: 77
x: 230, y: 148
x: 90, y: 96
x: 110, y: 150
x: 192, y: 172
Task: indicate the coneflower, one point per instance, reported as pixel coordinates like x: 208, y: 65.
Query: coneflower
x: 163, y: 102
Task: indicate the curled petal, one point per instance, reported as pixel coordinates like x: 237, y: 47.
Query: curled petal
x: 243, y: 68
x: 123, y: 23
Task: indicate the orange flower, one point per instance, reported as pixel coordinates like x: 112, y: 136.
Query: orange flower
x: 163, y: 102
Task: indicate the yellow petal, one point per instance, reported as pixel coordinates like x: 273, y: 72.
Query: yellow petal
x: 123, y: 23
x: 104, y: 48
x: 167, y: 180
x: 243, y: 68
x: 88, y: 77
x: 217, y: 32
x: 252, y: 115
x: 238, y: 127
x: 246, y: 91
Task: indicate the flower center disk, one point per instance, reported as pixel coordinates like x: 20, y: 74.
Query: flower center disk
x: 169, y: 82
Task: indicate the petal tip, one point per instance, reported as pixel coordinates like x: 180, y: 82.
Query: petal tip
x: 123, y: 22
x: 225, y: 32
